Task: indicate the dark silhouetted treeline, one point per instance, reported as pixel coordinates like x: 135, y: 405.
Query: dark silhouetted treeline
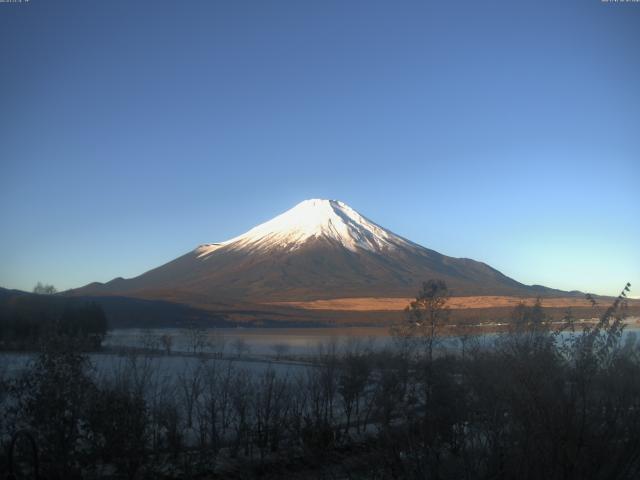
x: 27, y: 320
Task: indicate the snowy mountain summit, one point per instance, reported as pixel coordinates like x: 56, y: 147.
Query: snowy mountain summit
x: 313, y: 219
x: 319, y: 249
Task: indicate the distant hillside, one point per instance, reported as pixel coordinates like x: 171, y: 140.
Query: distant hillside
x: 121, y: 312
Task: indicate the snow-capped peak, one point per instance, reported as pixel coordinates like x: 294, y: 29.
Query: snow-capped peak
x: 315, y: 218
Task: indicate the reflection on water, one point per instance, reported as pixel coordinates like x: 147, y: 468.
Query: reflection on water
x: 270, y: 341
x: 258, y: 341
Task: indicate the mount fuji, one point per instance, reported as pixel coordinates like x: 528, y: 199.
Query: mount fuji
x: 319, y: 249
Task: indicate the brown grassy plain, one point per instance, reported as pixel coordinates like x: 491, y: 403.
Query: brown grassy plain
x: 455, y: 303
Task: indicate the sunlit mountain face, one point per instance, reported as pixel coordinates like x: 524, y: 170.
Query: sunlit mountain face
x: 319, y: 249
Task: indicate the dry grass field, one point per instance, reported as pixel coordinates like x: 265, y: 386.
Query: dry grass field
x: 455, y: 303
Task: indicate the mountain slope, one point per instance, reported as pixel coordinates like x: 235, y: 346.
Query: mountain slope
x: 319, y: 249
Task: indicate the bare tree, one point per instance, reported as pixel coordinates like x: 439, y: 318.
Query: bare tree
x: 196, y: 337
x: 298, y: 404
x: 190, y: 384
x: 241, y: 397
x: 119, y: 427
x: 241, y: 347
x: 215, y: 414
x: 280, y: 349
x: 44, y: 289
x: 426, y: 315
x: 150, y: 341
x: 270, y: 409
x: 217, y: 342
x: 167, y: 342
x: 355, y: 371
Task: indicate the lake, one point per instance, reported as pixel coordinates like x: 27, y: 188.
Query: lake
x: 271, y: 341
x: 254, y: 341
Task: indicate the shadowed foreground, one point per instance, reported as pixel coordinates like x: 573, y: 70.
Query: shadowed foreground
x: 535, y: 404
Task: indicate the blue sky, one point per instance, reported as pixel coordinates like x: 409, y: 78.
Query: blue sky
x: 507, y: 132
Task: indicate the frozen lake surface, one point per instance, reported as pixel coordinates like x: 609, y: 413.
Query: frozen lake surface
x: 286, y: 350
x: 160, y: 369
x: 253, y: 341
x: 269, y: 342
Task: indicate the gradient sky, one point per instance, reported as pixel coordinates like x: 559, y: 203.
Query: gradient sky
x: 508, y: 132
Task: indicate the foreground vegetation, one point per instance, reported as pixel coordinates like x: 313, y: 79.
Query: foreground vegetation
x: 29, y: 320
x: 537, y: 403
